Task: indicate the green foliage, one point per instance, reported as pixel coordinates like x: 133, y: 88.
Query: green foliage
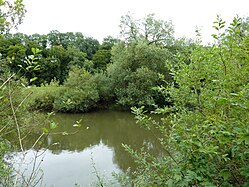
x: 104, y: 87
x: 79, y: 93
x: 76, y: 56
x: 100, y: 59
x: 42, y: 98
x: 11, y: 14
x: 86, y: 45
x: 135, y: 70
x: 5, y: 170
x: 206, y: 141
x: 58, y: 52
x: 108, y: 43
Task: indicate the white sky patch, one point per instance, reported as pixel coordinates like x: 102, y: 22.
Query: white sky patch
x: 100, y: 18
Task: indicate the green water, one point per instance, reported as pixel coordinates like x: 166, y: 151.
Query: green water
x: 70, y: 151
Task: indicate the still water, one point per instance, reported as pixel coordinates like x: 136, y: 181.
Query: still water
x: 82, y: 142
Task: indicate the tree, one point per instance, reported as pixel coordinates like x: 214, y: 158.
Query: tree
x: 101, y: 59
x: 108, y: 43
x: 205, y: 131
x: 11, y: 14
x: 61, y: 56
x: 41, y: 40
x: 77, y: 57
x: 89, y: 46
x: 129, y: 68
x: 149, y: 29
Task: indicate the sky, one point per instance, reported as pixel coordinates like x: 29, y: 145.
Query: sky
x: 101, y: 18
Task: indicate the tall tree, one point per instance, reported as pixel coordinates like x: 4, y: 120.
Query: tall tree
x: 154, y: 31
x: 135, y: 70
x: 108, y: 43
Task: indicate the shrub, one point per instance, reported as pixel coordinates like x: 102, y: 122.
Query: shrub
x: 135, y: 71
x: 42, y: 98
x: 79, y: 93
x: 206, y: 142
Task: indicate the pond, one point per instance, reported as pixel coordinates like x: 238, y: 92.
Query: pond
x: 84, y: 144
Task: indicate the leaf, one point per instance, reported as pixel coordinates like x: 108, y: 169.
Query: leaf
x: 177, y: 177
x: 245, y: 171
x: 35, y: 50
x: 215, y: 36
x: 76, y: 125
x: 246, y: 138
x: 225, y: 173
x: 53, y: 125
x: 208, y: 184
x: 216, y: 28
x: 49, y: 114
x: 222, y: 100
x: 33, y: 79
x: 170, y: 183
x: 45, y: 130
x: 37, y: 67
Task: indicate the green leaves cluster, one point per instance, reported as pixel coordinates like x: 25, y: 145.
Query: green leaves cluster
x: 79, y: 93
x: 135, y: 70
x: 206, y: 141
x: 58, y: 52
x: 11, y: 14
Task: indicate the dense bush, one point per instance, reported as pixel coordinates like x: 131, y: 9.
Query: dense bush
x: 42, y: 98
x: 207, y: 140
x: 135, y: 70
x: 104, y: 87
x: 79, y: 93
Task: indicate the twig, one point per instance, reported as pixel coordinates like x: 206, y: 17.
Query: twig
x: 23, y: 101
x: 7, y: 80
x: 15, y: 119
x: 37, y: 140
x: 96, y: 172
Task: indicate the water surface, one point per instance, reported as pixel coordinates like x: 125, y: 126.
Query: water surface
x: 85, y: 143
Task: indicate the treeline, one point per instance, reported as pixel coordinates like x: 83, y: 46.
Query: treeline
x: 54, y: 54
x: 119, y: 72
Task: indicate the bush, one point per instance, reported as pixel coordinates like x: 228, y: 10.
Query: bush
x: 79, y: 93
x: 42, y: 98
x: 135, y: 70
x: 104, y: 86
x: 207, y: 140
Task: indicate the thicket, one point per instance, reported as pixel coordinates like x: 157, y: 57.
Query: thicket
x: 206, y: 129
x: 201, y: 92
x: 117, y: 73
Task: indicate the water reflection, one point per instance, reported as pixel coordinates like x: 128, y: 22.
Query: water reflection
x: 68, y: 158
x: 69, y: 168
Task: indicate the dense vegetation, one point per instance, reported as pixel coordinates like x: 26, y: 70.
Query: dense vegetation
x: 16, y: 123
x: 206, y: 129
x: 201, y: 92
x: 87, y: 75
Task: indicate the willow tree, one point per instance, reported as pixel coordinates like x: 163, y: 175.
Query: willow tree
x: 150, y: 29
